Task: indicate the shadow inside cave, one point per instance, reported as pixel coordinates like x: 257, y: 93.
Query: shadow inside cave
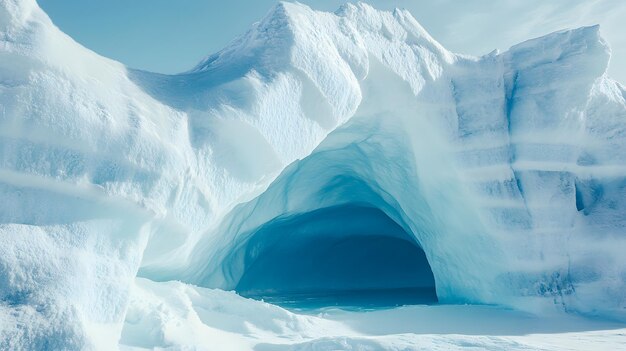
x: 348, y: 256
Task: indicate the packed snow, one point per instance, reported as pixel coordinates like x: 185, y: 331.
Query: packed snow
x: 180, y: 316
x: 133, y: 201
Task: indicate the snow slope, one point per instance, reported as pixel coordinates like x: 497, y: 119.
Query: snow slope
x: 508, y: 169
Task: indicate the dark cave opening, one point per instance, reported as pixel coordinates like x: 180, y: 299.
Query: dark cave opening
x: 348, y: 255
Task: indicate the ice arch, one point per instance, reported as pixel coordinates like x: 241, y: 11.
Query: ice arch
x: 345, y: 177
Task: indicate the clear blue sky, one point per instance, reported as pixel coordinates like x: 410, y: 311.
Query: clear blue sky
x: 171, y: 36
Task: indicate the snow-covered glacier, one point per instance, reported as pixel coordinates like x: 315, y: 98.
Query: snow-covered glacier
x: 130, y: 198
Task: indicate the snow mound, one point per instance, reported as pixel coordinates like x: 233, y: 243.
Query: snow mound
x: 507, y: 170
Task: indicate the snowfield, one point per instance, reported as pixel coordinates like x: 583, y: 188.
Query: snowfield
x: 131, y: 202
x: 179, y: 316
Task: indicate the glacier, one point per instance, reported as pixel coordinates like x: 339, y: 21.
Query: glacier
x: 132, y: 200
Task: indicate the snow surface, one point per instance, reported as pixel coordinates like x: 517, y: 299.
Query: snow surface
x: 181, y: 316
x: 508, y: 170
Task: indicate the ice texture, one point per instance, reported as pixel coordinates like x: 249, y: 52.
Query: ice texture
x: 508, y: 170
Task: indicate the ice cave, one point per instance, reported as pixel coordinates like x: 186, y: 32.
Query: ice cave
x: 328, y: 181
x: 326, y: 231
x: 346, y: 251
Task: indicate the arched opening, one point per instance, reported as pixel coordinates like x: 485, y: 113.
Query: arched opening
x: 351, y: 255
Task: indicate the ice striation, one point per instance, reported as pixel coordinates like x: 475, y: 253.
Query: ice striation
x: 508, y: 171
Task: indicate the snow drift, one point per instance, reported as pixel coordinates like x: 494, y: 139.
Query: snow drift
x: 508, y: 171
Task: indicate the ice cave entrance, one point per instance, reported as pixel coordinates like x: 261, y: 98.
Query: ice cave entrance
x: 350, y: 256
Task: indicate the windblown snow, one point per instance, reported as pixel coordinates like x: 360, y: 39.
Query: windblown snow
x: 130, y: 198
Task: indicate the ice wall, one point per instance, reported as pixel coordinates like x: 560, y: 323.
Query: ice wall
x: 508, y: 169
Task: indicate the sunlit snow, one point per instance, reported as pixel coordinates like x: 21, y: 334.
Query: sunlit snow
x: 319, y: 156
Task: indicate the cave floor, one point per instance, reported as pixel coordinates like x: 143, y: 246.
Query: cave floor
x: 350, y: 300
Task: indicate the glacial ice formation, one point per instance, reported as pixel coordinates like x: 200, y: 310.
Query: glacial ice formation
x: 507, y: 170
